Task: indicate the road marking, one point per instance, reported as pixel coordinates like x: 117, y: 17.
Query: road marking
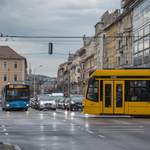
x: 3, y: 126
x: 6, y: 133
x: 120, y: 129
x: 121, y: 126
x: 90, y: 131
x: 4, y: 130
x: 64, y: 120
x: 72, y: 124
x: 102, y: 136
x: 81, y: 128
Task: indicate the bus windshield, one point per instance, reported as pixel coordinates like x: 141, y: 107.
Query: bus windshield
x: 17, y: 94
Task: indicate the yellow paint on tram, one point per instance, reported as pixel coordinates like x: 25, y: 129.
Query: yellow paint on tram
x: 124, y: 91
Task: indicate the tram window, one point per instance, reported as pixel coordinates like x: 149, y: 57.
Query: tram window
x: 107, y: 95
x: 92, y: 93
x: 136, y: 91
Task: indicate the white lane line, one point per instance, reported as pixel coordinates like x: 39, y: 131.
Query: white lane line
x: 3, y: 126
x: 64, y: 120
x: 72, y: 124
x: 81, y: 128
x: 4, y: 130
x: 6, y: 133
x: 102, y: 136
x: 120, y: 129
x: 121, y: 126
x: 90, y: 131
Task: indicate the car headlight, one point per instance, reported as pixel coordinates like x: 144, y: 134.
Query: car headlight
x: 54, y: 103
x: 65, y: 104
x: 72, y: 102
x: 41, y: 103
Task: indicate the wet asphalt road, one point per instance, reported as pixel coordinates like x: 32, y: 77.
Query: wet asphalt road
x: 62, y: 130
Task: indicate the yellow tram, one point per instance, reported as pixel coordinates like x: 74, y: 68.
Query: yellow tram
x: 124, y: 91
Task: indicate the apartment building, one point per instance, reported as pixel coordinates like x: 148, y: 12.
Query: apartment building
x: 12, y: 66
x: 100, y: 55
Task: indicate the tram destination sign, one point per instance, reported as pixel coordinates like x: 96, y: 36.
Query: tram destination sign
x: 113, y: 76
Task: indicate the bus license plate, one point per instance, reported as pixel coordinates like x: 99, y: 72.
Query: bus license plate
x: 17, y: 106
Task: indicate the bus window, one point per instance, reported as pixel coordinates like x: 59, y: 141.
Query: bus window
x: 92, y: 92
x: 107, y: 95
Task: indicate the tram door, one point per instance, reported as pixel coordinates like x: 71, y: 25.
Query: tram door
x: 113, y: 97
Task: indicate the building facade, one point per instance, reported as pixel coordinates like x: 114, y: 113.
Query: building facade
x: 12, y: 66
x: 100, y: 54
x: 141, y: 32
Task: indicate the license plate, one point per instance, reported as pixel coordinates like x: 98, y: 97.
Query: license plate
x: 17, y: 106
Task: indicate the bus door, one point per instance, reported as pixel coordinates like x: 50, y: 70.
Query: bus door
x: 118, y: 97
x: 113, y: 97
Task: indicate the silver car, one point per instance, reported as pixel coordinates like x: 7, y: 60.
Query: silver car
x: 47, y: 103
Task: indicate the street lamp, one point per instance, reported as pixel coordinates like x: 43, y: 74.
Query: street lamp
x: 34, y: 77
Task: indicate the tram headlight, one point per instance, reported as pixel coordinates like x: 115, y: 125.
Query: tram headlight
x: 8, y: 105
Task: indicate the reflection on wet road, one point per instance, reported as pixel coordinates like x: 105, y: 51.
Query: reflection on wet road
x: 61, y: 129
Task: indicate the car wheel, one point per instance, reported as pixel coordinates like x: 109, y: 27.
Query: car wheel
x: 70, y: 109
x: 54, y: 109
x: 3, y: 109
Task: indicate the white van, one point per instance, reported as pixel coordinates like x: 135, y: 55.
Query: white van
x: 57, y: 95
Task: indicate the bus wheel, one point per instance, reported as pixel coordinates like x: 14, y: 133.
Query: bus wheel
x: 26, y: 109
x: 3, y: 109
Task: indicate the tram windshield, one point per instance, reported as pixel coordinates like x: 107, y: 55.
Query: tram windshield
x: 92, y: 92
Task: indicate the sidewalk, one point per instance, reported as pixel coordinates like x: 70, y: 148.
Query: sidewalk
x: 8, y: 146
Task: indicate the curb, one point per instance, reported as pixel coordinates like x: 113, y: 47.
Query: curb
x: 15, y: 147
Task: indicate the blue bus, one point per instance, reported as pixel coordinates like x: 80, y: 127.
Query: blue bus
x: 15, y: 95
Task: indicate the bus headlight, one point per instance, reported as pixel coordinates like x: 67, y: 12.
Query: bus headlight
x: 8, y: 105
x: 27, y: 105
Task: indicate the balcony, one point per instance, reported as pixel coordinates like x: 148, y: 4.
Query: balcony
x: 121, y: 49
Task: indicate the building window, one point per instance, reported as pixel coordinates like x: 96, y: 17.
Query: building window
x: 78, y: 70
x: 15, y: 77
x: 146, y: 30
x: 119, y: 44
x: 146, y: 42
x: 5, y: 77
x: 118, y: 61
x: 15, y: 65
x: 135, y: 47
x: 127, y: 40
x: 5, y: 65
x: 146, y: 56
x: 83, y: 75
x: 141, y: 45
x: 127, y: 58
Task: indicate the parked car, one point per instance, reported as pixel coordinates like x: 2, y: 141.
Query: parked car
x: 75, y: 102
x: 32, y: 103
x: 47, y: 103
x: 64, y: 103
x: 59, y: 103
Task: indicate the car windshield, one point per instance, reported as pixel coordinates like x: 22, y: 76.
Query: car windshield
x: 78, y: 98
x: 48, y: 99
x: 57, y: 97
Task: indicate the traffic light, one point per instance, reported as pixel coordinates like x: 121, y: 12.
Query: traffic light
x: 51, y: 89
x: 64, y: 94
x: 50, y: 48
x: 74, y: 81
x: 84, y: 82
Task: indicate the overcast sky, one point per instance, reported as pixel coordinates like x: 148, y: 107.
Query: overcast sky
x: 50, y: 18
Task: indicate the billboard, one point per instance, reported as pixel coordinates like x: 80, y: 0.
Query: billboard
x: 125, y: 3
